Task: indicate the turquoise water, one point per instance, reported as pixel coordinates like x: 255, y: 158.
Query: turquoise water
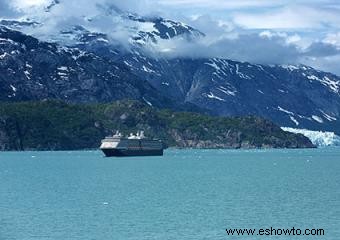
x: 187, y: 194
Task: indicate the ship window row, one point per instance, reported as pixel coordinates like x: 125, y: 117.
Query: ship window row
x: 143, y: 144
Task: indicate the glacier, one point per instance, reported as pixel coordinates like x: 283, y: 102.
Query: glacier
x: 318, y: 138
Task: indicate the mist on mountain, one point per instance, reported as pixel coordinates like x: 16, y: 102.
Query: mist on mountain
x: 61, y: 20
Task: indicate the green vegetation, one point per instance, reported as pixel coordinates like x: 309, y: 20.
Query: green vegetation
x: 54, y: 125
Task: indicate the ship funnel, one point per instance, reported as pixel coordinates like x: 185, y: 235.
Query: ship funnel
x: 142, y: 134
x: 117, y: 134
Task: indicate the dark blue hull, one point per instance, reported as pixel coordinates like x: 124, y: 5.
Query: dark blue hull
x: 131, y: 153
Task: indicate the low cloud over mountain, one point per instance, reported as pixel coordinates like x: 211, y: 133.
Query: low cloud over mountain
x: 268, y: 32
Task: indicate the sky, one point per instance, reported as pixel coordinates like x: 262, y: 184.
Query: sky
x: 258, y: 31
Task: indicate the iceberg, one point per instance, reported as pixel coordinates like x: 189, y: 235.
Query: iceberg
x: 318, y: 138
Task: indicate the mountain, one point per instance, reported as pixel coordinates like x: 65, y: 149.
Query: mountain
x: 295, y: 96
x: 140, y: 30
x: 31, y: 69
x: 53, y: 125
x: 35, y: 70
x: 79, y: 63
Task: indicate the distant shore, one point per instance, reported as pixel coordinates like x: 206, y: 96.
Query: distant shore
x: 54, y: 125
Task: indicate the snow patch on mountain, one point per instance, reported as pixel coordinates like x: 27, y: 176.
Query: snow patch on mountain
x: 27, y: 74
x: 294, y: 120
x: 318, y: 138
x: 147, y: 102
x: 148, y: 70
x: 212, y: 96
x: 327, y: 116
x: 226, y: 91
x: 290, y: 67
x: 332, y: 84
x: 13, y: 88
x: 317, y: 118
x: 2, y: 56
x: 147, y: 27
x: 213, y: 65
x: 285, y: 111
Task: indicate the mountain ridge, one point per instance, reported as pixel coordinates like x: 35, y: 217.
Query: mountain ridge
x: 289, y: 95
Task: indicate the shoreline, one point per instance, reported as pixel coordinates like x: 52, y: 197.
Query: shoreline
x: 175, y: 148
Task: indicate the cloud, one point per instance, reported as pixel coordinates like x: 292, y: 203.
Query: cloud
x: 321, y: 49
x: 210, y: 26
x: 218, y: 4
x: 264, y: 47
x: 23, y: 5
x: 327, y: 63
x: 322, y: 55
x: 289, y: 17
x: 333, y: 38
x: 34, y: 7
x: 96, y: 16
x: 243, y: 47
x: 258, y: 31
x: 6, y: 11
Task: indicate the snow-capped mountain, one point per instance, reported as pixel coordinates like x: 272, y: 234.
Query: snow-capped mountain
x: 137, y: 30
x: 153, y: 29
x: 85, y: 64
x: 296, y: 96
x: 35, y: 70
x: 15, y: 24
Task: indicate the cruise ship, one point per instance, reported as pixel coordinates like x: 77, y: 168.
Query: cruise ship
x: 134, y: 145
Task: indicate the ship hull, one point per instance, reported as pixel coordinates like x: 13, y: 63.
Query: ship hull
x: 131, y: 153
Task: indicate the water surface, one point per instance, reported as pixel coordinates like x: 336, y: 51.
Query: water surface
x: 186, y: 194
